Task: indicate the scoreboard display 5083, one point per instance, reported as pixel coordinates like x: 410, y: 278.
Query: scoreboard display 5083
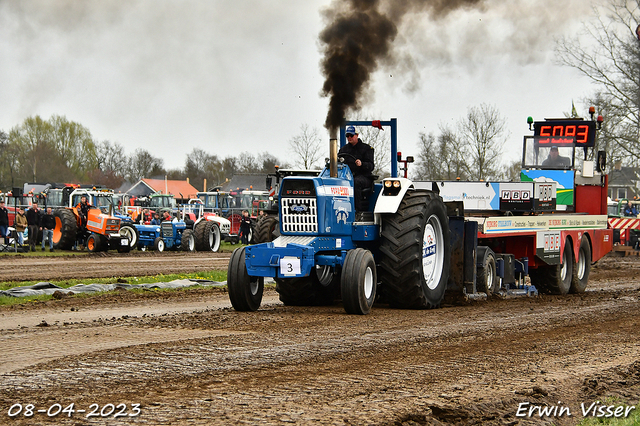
x: 565, y: 133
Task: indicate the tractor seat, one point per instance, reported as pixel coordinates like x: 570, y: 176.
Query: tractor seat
x: 366, y: 192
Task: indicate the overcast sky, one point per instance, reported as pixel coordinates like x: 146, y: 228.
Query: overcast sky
x: 232, y: 76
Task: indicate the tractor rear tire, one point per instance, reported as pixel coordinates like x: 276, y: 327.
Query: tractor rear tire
x: 415, y: 252
x: 318, y: 289
x: 158, y: 244
x: 64, y: 233
x: 582, y: 267
x: 358, y: 282
x: 245, y: 292
x: 207, y: 235
x: 131, y: 232
x: 188, y: 242
x: 555, y: 279
x: 267, y: 230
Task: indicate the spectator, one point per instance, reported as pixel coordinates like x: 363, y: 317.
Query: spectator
x: 145, y: 217
x: 166, y: 216
x: 156, y: 219
x: 48, y: 223
x: 630, y: 210
x: 4, y: 222
x: 33, y: 219
x: 245, y: 227
x: 20, y: 224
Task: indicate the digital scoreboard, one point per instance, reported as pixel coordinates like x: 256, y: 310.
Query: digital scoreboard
x: 565, y: 133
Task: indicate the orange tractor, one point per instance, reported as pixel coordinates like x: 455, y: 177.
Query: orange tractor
x: 100, y: 233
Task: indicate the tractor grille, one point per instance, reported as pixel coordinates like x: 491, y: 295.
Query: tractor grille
x: 167, y: 229
x: 299, y: 215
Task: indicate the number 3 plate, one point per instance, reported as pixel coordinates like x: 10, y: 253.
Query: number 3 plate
x: 290, y: 265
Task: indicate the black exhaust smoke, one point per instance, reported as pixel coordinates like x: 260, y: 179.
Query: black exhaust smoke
x: 358, y: 36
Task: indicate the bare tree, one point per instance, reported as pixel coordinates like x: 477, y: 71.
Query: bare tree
x: 230, y: 167
x: 269, y: 163
x: 609, y: 54
x: 111, y: 157
x: 608, y: 137
x: 307, y: 147
x: 201, y: 165
x: 176, y: 174
x: 441, y: 157
x: 482, y: 135
x: 142, y: 164
x: 428, y: 165
x: 512, y: 171
x: 248, y: 163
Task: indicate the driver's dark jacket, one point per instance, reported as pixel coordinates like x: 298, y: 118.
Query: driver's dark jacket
x: 361, y: 151
x: 84, y: 209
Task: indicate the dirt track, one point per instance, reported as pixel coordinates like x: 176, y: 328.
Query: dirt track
x: 187, y: 358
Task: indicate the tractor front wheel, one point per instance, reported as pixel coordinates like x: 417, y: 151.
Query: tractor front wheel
x: 158, y: 244
x: 245, y: 292
x: 358, y: 282
x: 94, y: 243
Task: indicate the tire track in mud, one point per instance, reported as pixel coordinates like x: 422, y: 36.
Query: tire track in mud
x: 319, y: 364
x: 51, y: 345
x: 466, y: 364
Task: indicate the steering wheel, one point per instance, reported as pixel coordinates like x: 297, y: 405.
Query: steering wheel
x: 341, y: 157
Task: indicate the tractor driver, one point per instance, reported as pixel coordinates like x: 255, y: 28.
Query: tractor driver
x: 359, y: 158
x: 83, y: 210
x: 555, y: 160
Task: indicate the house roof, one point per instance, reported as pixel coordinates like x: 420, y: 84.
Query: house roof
x: 625, y: 176
x: 174, y: 187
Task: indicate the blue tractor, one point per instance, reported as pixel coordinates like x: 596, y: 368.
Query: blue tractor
x: 398, y: 250
x: 172, y: 235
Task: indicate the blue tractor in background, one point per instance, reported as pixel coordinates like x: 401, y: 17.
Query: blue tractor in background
x: 399, y: 249
x: 170, y: 235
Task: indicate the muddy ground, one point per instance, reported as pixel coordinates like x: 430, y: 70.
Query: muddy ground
x: 17, y: 267
x: 187, y: 358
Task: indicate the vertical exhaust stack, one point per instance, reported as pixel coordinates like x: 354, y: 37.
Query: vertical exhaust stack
x: 333, y: 152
